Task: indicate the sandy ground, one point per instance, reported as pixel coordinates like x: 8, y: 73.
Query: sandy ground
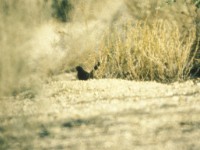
x: 101, y: 114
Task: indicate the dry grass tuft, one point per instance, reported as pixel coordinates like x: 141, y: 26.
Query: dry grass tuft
x: 147, y: 52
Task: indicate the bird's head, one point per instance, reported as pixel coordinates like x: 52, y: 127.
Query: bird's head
x: 79, y: 68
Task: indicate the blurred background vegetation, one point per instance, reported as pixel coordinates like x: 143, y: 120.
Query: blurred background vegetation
x: 61, y: 9
x: 40, y: 38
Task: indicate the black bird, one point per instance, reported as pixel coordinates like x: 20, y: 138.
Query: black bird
x: 84, y: 75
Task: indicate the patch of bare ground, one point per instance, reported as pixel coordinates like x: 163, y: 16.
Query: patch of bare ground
x: 103, y: 114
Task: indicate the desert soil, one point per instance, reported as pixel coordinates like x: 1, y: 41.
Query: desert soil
x: 102, y: 114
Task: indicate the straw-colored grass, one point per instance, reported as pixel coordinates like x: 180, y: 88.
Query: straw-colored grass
x: 143, y: 52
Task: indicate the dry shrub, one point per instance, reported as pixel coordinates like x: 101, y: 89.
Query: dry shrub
x: 183, y: 13
x: 147, y: 52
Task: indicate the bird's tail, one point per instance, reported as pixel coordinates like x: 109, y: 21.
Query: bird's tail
x: 95, y: 68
